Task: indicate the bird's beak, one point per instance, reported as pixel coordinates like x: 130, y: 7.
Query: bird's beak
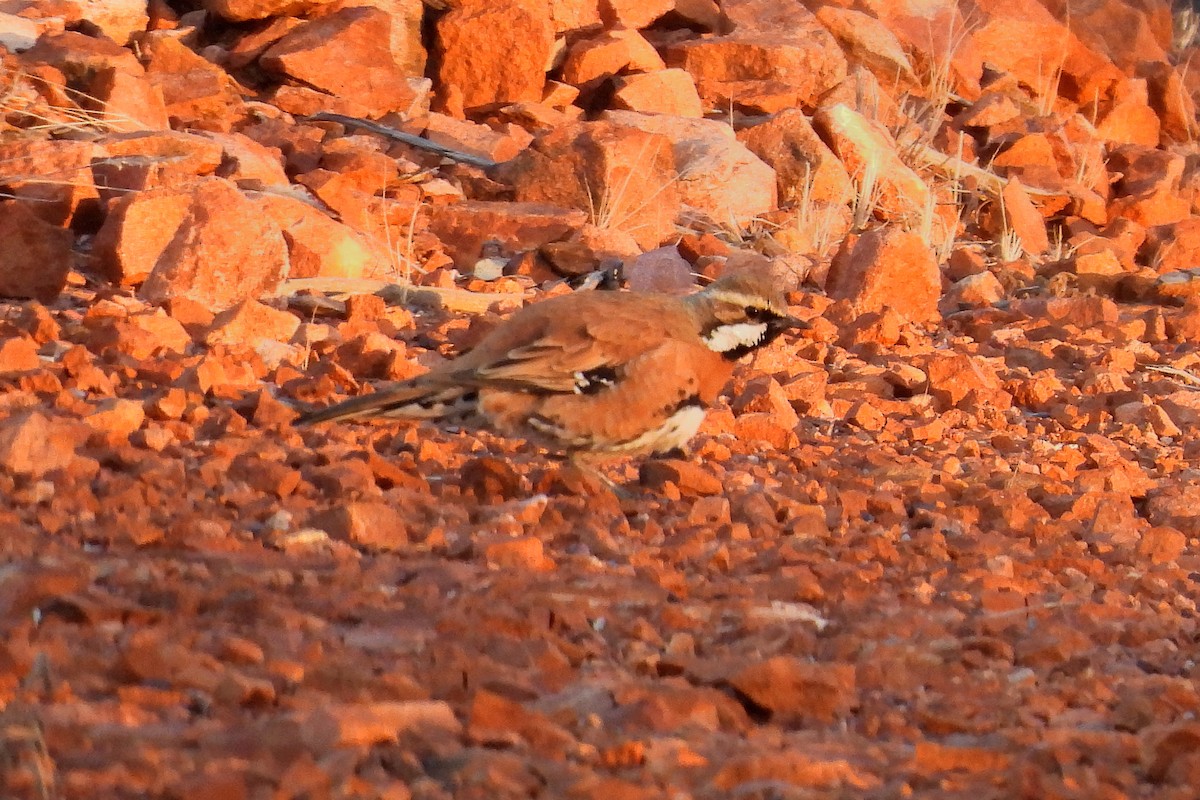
x: 791, y: 323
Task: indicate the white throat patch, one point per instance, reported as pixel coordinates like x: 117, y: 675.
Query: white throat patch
x: 730, y: 337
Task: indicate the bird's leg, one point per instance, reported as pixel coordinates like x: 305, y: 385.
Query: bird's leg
x: 592, y: 474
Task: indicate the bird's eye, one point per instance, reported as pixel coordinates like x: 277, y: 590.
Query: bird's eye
x: 758, y: 314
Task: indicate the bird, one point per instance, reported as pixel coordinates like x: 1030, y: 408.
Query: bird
x: 594, y: 373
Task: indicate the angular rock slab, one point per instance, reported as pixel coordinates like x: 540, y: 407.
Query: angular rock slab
x: 206, y: 242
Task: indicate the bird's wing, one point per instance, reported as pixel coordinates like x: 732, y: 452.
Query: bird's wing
x: 559, y: 356
x: 545, y: 365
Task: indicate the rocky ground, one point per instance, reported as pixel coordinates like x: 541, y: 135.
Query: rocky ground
x: 943, y: 544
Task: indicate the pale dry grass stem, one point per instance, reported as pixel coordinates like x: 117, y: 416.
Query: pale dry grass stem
x: 1008, y: 246
x: 401, y: 246
x: 1060, y: 249
x: 867, y: 193
x: 1046, y: 92
x: 937, y: 233
x: 23, y: 750
x: 816, y: 223
x: 1185, y: 27
x: 613, y: 209
x: 926, y: 114
x: 89, y: 115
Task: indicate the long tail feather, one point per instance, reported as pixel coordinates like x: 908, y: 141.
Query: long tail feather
x: 407, y: 401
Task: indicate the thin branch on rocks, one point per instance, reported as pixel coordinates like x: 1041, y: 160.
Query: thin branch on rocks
x: 407, y: 138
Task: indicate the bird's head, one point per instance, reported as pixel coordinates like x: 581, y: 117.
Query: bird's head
x: 741, y: 312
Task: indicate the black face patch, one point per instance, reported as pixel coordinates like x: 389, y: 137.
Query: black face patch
x: 776, y: 325
x: 595, y: 380
x: 691, y: 401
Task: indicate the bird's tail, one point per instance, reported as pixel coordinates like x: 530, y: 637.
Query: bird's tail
x: 413, y: 400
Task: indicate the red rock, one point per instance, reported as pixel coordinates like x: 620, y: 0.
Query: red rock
x: 143, y: 160
x: 588, y: 248
x: 762, y: 428
x: 319, y: 247
x: 476, y: 139
x: 115, y: 419
x: 1176, y: 109
x: 888, y: 268
x: 32, y: 444
x: 214, y: 786
x: 932, y: 757
x: 18, y: 354
x: 1175, y: 506
x: 466, y: 227
x: 1016, y: 212
x: 710, y: 512
x: 366, y: 724
x: 607, y: 54
x: 956, y: 379
x: 1175, y: 246
x: 129, y: 101
x: 1183, y: 407
x: 623, y: 177
x: 111, y: 84
x: 494, y: 719
x: 349, y: 55
x: 241, y: 651
x: 250, y: 321
x: 245, y: 160
x: 666, y: 91
x: 869, y: 154
x: 37, y: 321
x: 141, y: 335
x: 57, y: 201
x: 365, y: 523
x: 245, y: 10
x: 795, y: 690
x: 594, y: 787
x: 1082, y: 312
x: 717, y: 175
x: 1130, y: 119
x: 492, y: 480
x: 205, y: 242
x: 974, y: 291
x: 490, y: 55
x: 1129, y: 34
x: 1023, y: 39
x: 525, y: 553
x: 1169, y: 754
x: 692, y: 479
x: 36, y: 257
x: 791, y: 768
x: 867, y: 41
x: 764, y: 394
x: 196, y: 92
x: 235, y: 688
x: 1162, y: 545
x: 777, y: 56
x: 662, y: 269
x: 1151, y: 414
x: 633, y: 14
x: 806, y: 169
x: 995, y: 108
x: 119, y: 20
x: 1148, y: 192
x: 866, y: 416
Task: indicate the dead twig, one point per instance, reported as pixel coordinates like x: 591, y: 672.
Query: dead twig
x: 407, y: 138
